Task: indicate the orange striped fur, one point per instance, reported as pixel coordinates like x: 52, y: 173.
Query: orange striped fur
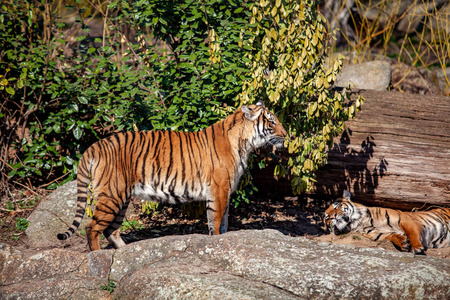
x: 170, y: 166
x: 408, y: 231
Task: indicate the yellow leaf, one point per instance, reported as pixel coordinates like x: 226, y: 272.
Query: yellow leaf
x: 273, y: 34
x: 254, y: 10
x: 276, y: 96
x: 274, y: 11
x: 89, y: 211
x: 291, y: 147
x: 337, y: 105
x: 324, y: 96
x: 336, y: 66
x: 319, y: 82
x: 351, y: 112
x: 315, y: 40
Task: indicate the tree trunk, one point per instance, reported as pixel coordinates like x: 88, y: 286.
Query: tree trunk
x: 395, y: 153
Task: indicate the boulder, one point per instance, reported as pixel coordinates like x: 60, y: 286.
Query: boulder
x: 251, y: 264
x: 53, y: 215
x: 372, y: 75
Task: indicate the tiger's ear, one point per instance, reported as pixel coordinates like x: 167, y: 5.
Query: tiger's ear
x: 346, y: 195
x: 250, y: 114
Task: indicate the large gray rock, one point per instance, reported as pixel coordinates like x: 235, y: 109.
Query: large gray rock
x: 372, y: 75
x: 237, y: 265
x: 53, y: 215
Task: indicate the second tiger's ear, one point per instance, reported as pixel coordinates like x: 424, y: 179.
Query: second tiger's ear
x: 250, y: 114
x: 347, y: 195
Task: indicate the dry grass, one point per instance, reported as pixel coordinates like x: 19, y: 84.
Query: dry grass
x: 413, y: 32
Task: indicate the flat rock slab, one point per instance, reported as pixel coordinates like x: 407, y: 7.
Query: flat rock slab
x: 237, y: 265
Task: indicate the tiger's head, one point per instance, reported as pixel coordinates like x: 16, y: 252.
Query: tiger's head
x: 268, y: 130
x: 339, y: 216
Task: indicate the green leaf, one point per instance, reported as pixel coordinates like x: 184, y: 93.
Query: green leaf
x: 10, y: 90
x: 52, y: 186
x: 78, y: 132
x: 83, y: 100
x: 12, y: 173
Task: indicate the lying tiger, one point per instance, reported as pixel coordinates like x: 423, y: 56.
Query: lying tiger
x: 408, y: 231
x: 170, y: 166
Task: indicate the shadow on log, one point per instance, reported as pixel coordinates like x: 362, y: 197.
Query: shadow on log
x: 395, y: 153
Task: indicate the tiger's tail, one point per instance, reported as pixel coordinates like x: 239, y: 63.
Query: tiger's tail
x: 84, y: 169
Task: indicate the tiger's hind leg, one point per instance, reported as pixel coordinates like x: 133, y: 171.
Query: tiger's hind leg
x: 105, y: 213
x: 112, y: 232
x: 413, y: 231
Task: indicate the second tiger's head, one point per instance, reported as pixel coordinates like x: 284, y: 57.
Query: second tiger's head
x: 338, y: 216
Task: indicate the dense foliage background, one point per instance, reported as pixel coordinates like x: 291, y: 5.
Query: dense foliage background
x: 147, y: 67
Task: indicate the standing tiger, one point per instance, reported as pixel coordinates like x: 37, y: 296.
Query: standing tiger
x: 408, y: 231
x: 172, y: 167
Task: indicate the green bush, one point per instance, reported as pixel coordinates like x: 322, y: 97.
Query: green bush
x: 75, y: 89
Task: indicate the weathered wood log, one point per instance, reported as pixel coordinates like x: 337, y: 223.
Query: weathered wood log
x: 395, y: 153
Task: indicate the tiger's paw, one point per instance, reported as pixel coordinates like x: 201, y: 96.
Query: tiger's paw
x: 401, y: 242
x: 419, y: 251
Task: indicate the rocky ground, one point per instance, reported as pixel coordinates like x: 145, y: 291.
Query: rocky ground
x: 275, y: 249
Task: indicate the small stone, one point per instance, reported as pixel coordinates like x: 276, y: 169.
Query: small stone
x: 373, y: 75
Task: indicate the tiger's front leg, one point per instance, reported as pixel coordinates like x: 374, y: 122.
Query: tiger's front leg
x: 217, y: 214
x: 224, y: 224
x: 400, y: 240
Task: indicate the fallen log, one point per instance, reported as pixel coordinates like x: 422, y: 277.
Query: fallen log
x: 395, y: 153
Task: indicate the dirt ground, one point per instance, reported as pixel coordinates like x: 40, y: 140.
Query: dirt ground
x: 292, y: 216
